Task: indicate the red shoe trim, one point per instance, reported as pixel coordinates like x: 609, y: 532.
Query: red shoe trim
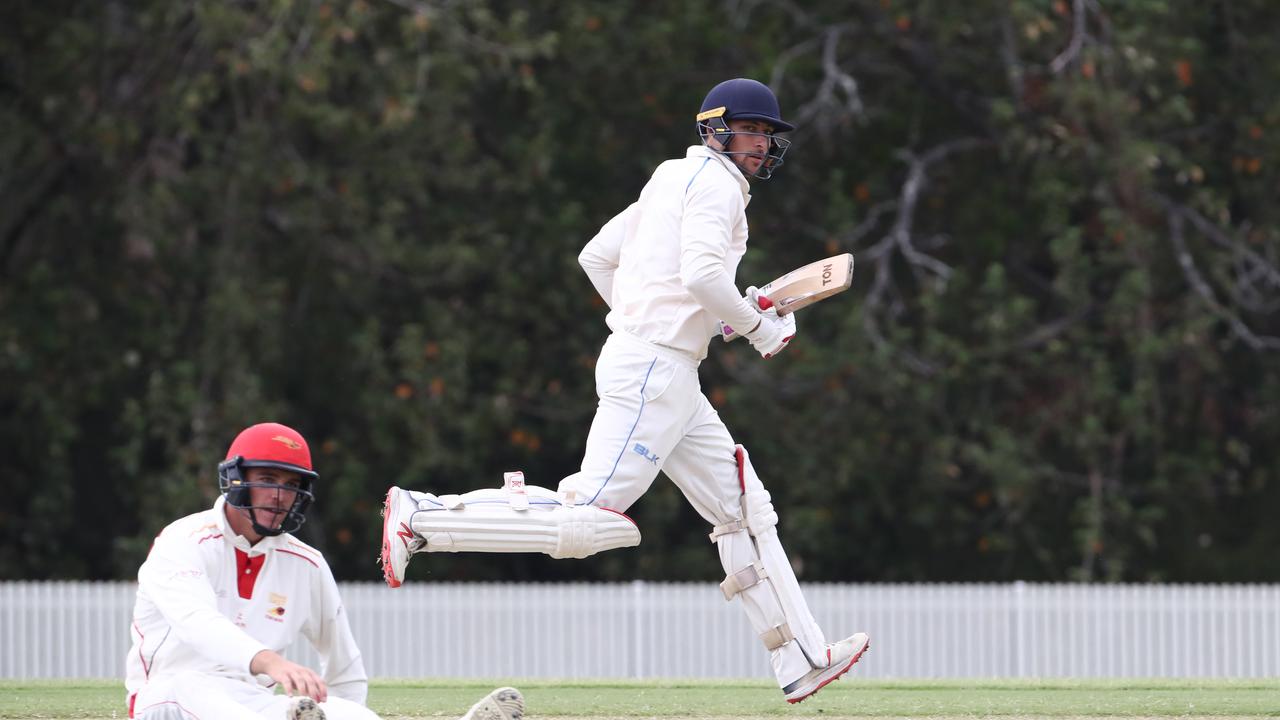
x: 387, y: 575
x: 856, y: 657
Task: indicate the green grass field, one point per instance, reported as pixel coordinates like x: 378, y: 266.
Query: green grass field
x: 743, y: 700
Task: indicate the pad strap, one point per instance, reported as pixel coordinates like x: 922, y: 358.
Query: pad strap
x: 777, y: 610
x: 775, y: 638
x: 749, y: 576
x: 517, y: 495
x: 729, y: 527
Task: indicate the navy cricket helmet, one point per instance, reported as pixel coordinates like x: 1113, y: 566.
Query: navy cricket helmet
x: 744, y: 99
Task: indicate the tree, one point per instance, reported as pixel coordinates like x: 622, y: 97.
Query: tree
x: 361, y: 219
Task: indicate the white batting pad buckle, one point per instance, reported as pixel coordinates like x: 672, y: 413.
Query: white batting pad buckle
x: 747, y: 577
x: 777, y: 636
x: 759, y: 572
x: 517, y: 496
x: 733, y: 526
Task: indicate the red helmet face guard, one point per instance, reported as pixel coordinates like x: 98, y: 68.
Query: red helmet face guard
x: 269, y: 445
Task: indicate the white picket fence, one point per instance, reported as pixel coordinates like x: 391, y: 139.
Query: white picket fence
x: 686, y: 630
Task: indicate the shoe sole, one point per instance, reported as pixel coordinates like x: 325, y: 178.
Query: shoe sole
x: 387, y: 518
x: 505, y: 703
x: 848, y: 666
x: 305, y: 709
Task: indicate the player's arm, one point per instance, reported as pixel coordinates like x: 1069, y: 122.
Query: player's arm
x: 295, y: 679
x: 174, y: 578
x: 600, y: 256
x: 330, y: 634
x: 705, y: 231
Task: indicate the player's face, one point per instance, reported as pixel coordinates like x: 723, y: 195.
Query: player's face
x: 272, y: 503
x: 751, y: 137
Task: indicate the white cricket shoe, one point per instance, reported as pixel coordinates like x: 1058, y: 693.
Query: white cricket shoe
x: 399, y: 541
x: 840, y: 657
x: 505, y: 703
x: 304, y: 708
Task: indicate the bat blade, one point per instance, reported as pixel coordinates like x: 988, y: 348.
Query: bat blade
x: 805, y: 286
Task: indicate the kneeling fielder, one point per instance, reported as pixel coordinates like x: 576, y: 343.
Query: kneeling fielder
x: 666, y: 268
x: 223, y: 592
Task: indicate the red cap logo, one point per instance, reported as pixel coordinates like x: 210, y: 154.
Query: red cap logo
x: 288, y: 442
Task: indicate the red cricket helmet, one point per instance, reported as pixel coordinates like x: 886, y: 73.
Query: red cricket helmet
x: 268, y: 445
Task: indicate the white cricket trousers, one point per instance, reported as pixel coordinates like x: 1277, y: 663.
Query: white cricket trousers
x: 196, y: 696
x: 653, y: 416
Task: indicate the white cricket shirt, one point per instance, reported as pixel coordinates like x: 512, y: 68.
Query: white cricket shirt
x: 666, y: 264
x: 208, y: 602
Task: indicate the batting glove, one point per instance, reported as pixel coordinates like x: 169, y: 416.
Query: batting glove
x: 772, y: 334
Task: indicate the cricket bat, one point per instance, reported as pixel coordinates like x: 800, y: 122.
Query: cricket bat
x: 803, y: 287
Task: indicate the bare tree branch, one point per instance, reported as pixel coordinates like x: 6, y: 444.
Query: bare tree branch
x: 1256, y: 275
x: 909, y: 197
x: 1104, y: 25
x: 786, y: 56
x: 818, y: 109
x: 1078, y: 34
x: 864, y: 228
x: 1202, y: 288
x: 1255, y: 267
x: 1051, y: 330
x: 883, y: 298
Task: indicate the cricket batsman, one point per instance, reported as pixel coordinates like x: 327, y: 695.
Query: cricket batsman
x: 665, y: 266
x: 223, y: 592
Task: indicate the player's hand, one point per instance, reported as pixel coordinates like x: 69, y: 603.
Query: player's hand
x: 757, y: 299
x: 294, y: 678
x: 772, y: 334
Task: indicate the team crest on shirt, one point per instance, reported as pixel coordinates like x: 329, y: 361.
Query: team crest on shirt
x: 275, y: 608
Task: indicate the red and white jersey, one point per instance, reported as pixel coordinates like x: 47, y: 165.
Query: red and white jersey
x: 208, y: 602
x: 666, y: 264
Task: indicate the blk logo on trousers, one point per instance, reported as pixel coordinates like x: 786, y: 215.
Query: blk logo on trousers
x: 643, y: 452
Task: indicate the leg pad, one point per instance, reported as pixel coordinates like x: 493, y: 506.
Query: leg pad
x: 487, y: 521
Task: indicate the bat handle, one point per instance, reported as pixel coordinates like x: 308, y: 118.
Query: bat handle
x: 764, y: 302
